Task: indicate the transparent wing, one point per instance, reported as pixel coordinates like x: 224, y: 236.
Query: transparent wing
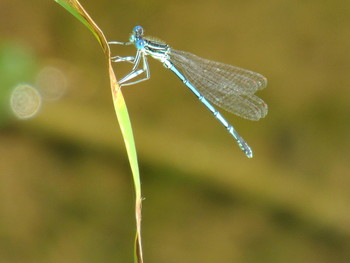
x: 231, y: 88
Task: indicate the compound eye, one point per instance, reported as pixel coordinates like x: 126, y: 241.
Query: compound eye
x: 140, y: 44
x: 138, y: 30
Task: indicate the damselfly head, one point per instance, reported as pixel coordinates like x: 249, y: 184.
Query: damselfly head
x: 137, y: 32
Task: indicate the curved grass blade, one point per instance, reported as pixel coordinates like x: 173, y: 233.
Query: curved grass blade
x: 75, y: 8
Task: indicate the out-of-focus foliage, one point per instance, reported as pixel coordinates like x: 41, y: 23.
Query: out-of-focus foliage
x: 17, y: 65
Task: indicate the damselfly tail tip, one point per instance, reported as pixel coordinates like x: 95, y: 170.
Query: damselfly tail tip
x: 244, y: 146
x: 249, y: 154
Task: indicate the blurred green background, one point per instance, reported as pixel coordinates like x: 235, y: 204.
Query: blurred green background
x: 66, y: 193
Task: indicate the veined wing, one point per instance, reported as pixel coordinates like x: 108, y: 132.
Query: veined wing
x: 231, y: 88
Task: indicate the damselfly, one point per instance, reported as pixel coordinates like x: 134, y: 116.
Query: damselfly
x: 231, y: 88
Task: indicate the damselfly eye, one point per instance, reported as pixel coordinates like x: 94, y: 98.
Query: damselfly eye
x: 138, y: 30
x: 140, y: 44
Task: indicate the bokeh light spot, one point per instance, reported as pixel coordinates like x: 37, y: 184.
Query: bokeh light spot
x: 25, y: 101
x: 52, y: 83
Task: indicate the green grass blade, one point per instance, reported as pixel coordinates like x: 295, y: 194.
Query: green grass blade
x: 75, y: 8
x: 71, y: 7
